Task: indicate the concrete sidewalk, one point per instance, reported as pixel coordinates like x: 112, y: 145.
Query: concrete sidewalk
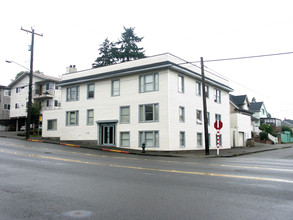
x: 237, y: 151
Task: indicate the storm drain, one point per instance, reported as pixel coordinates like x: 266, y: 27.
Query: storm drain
x: 78, y: 214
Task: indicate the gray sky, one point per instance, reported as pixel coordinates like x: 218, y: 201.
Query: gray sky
x: 190, y: 29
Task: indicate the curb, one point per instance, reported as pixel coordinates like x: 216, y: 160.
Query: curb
x: 70, y: 145
x: 33, y: 140
x: 116, y: 151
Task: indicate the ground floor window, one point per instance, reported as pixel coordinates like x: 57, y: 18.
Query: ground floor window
x: 182, y: 139
x: 52, y: 125
x: 149, y: 138
x: 199, y: 140
x: 124, y: 139
x: 72, y: 118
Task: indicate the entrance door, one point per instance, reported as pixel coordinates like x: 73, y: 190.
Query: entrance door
x: 108, y: 135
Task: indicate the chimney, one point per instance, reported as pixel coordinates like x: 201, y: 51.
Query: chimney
x: 71, y: 69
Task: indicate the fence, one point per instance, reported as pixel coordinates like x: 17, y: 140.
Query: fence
x: 286, y: 137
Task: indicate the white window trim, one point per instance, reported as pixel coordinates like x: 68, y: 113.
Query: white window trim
x: 88, y: 86
x: 180, y: 87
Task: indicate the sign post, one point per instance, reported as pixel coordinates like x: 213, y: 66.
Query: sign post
x: 218, y: 126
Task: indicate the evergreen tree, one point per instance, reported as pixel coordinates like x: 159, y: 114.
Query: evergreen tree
x: 108, y: 54
x: 128, y: 49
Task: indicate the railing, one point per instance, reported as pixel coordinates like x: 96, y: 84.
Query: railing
x: 273, y: 139
x: 45, y: 94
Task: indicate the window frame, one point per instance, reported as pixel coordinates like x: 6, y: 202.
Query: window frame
x: 88, y: 123
x: 76, y: 112
x: 7, y: 106
x: 198, y: 88
x: 180, y: 83
x: 199, y: 120
x: 121, y: 140
x: 199, y: 145
x: 89, y: 92
x: 217, y: 95
x: 156, y: 138
x: 182, y: 145
x: 51, y: 129
x: 115, y: 92
x: 68, y: 94
x: 155, y: 117
x: 181, y: 114
x: 121, y: 116
x: 143, y: 84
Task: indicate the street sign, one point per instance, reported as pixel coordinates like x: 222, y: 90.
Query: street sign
x: 218, y: 125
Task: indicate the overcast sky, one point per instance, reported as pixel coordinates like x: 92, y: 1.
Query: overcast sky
x: 190, y: 29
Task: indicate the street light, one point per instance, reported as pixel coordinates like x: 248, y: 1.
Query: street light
x: 10, y: 61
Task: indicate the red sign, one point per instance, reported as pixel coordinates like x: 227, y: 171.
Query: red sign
x: 218, y: 125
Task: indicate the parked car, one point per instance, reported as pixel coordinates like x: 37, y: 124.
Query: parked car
x: 22, y: 128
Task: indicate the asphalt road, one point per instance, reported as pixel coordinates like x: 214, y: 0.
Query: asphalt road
x: 46, y: 181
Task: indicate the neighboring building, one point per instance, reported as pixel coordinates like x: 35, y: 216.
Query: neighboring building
x: 259, y: 111
x: 288, y: 123
x: 4, y: 108
x: 155, y: 100
x: 240, y: 119
x: 44, y: 90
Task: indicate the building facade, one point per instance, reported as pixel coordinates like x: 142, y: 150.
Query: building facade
x: 44, y: 90
x: 4, y: 108
x: 156, y: 101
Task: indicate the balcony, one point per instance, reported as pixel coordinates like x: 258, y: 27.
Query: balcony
x: 46, y: 94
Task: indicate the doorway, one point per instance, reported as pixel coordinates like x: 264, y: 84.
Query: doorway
x: 107, y: 133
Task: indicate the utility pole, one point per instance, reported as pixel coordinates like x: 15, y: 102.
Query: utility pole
x: 205, y: 114
x: 29, y: 107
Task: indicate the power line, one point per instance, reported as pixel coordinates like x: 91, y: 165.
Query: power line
x: 247, y: 57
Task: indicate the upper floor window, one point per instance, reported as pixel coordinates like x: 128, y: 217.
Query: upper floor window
x: 218, y: 117
x: 6, y: 106
x: 115, y: 87
x: 125, y: 114
x: 16, y: 105
x: 90, y: 91
x: 49, y: 86
x: 149, y: 82
x: 72, y: 93
x: 198, y: 88
x: 7, y: 92
x: 90, y: 117
x: 17, y: 89
x: 198, y: 116
x: 207, y: 91
x: 181, y: 114
x: 217, y: 95
x: 149, y: 113
x: 180, y: 84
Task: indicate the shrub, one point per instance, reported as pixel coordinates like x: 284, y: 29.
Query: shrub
x: 263, y: 136
x: 266, y: 128
x: 286, y: 128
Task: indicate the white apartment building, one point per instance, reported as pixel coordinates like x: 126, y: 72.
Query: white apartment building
x: 155, y: 100
x: 44, y: 90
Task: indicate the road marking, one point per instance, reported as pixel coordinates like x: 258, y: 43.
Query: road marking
x: 152, y: 169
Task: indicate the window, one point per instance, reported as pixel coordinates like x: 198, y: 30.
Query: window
x: 124, y: 139
x: 199, y: 140
x: 181, y: 84
x: 207, y: 91
x: 49, y: 86
x: 125, y: 114
x: 149, y: 82
x: 72, y: 118
x: 6, y: 106
x: 218, y: 117
x: 198, y: 116
x: 115, y: 90
x: 7, y: 93
x: 198, y: 88
x: 209, y: 121
x: 72, y: 93
x: 181, y: 114
x: 217, y: 95
x: 57, y: 103
x: 149, y: 113
x: 182, y: 139
x: 18, y: 89
x: 150, y: 138
x: 16, y: 105
x: 52, y: 124
x: 90, y: 91
x: 90, y: 117
x: 49, y: 103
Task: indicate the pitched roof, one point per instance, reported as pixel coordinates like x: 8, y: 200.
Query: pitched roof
x: 39, y: 75
x: 239, y: 101
x: 255, y: 106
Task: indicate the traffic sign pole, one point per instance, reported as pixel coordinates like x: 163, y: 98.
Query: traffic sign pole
x: 218, y: 142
